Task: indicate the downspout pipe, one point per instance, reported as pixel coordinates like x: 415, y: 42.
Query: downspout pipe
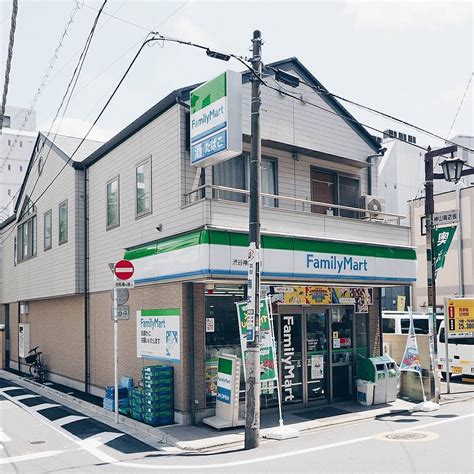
x: 86, y: 285
x: 369, y: 174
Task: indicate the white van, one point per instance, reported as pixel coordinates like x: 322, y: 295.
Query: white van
x: 398, y: 322
x: 460, y: 351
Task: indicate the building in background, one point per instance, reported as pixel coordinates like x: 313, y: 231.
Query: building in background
x: 16, y: 144
x: 457, y: 276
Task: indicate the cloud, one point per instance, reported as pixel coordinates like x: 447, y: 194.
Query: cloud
x: 76, y: 127
x: 402, y: 15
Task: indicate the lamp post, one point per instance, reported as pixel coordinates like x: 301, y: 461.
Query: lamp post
x: 452, y: 172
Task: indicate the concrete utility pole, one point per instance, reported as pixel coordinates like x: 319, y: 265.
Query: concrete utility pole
x: 252, y: 383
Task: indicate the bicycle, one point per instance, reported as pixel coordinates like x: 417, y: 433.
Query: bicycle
x: 38, y: 370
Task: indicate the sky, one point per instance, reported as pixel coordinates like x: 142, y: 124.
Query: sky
x: 410, y: 59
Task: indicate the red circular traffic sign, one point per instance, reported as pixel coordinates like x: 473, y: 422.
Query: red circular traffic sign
x: 124, y: 270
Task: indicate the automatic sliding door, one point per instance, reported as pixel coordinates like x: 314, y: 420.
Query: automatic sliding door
x: 317, y: 354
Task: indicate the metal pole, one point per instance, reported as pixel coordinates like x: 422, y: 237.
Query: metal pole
x: 430, y: 265
x: 116, y: 397
x: 460, y: 260
x: 446, y: 348
x: 252, y: 384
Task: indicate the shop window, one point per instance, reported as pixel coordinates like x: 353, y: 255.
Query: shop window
x: 234, y: 173
x: 362, y: 335
x: 63, y: 224
x: 6, y: 122
x: 113, y: 203
x: 143, y: 188
x: 388, y: 326
x: 222, y: 337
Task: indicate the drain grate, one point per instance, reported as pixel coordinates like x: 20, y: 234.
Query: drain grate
x: 409, y: 436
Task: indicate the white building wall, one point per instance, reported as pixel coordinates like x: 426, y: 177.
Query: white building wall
x: 52, y: 272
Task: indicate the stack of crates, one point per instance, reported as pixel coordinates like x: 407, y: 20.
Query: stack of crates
x: 136, y: 403
x: 109, y: 399
x: 158, y: 395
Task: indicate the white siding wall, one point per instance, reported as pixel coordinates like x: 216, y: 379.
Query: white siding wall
x: 51, y: 272
x: 163, y: 140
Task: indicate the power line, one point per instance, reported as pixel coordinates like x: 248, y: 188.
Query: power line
x: 460, y: 105
x: 65, y: 98
x: 323, y: 91
x: 11, y: 42
x: 90, y: 128
x: 44, y: 80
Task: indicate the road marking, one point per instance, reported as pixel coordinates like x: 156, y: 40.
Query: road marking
x: 25, y: 397
x: 3, y: 436
x: 43, y: 406
x: 68, y: 419
x: 29, y: 457
x: 283, y: 455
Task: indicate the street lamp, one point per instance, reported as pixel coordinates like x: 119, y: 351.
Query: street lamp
x: 452, y: 169
x: 452, y: 172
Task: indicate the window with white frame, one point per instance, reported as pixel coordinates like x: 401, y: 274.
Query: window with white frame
x: 113, y: 203
x: 63, y: 224
x: 143, y: 188
x: 26, y: 232
x: 48, y: 230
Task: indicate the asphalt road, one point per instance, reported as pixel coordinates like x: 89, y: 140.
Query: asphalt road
x: 38, y: 436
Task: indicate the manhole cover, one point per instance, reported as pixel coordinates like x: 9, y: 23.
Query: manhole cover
x: 36, y: 442
x: 407, y: 436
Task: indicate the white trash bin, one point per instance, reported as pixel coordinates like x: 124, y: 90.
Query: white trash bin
x: 365, y: 392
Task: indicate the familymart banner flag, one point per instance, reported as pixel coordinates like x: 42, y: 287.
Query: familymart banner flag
x: 411, y: 358
x: 267, y: 347
x: 442, y: 238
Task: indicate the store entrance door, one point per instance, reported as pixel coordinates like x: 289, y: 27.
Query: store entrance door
x: 341, y: 352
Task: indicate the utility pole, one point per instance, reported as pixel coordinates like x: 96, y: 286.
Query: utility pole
x: 252, y: 383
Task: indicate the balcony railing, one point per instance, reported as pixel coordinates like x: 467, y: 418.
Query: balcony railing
x: 287, y: 203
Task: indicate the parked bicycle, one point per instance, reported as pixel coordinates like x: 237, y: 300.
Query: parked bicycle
x: 38, y: 370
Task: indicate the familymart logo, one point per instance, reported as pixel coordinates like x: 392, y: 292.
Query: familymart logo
x: 337, y: 263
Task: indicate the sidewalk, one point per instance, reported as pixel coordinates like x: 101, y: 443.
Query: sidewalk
x: 203, y: 437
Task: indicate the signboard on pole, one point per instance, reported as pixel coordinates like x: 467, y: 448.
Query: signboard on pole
x: 446, y: 217
x: 159, y: 334
x: 124, y: 269
x: 460, y: 317
x: 267, y: 348
x: 251, y: 303
x: 216, y: 120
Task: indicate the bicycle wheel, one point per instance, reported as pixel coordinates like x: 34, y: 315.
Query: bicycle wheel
x: 43, y: 376
x: 34, y: 371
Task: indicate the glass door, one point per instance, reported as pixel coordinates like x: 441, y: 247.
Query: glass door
x: 316, y: 354
x: 341, y: 351
x: 291, y: 357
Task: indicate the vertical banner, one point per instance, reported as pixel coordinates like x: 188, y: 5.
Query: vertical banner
x: 442, y: 238
x: 411, y: 358
x: 267, y: 348
x: 401, y: 302
x: 251, y: 303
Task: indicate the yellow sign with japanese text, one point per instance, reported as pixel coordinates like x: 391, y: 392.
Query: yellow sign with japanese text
x: 460, y: 315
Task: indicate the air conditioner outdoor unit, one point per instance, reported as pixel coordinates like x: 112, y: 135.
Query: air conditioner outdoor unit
x: 374, y: 205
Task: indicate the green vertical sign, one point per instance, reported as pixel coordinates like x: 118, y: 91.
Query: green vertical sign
x: 267, y: 348
x: 442, y: 238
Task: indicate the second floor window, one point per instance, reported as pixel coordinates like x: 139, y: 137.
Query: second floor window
x: 113, y: 206
x: 143, y: 188
x: 63, y: 222
x: 48, y: 230
x: 26, y: 239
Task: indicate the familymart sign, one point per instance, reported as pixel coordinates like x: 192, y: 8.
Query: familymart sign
x: 216, y: 254
x: 216, y: 120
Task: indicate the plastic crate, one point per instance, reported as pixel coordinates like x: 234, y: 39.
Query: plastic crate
x: 157, y: 368
x: 109, y: 404
x: 127, y: 382
x: 110, y: 392
x: 158, y: 420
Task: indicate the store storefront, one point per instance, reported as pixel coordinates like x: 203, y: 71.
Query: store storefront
x: 318, y: 345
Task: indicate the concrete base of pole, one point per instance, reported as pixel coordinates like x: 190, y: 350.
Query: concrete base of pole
x: 426, y: 406
x: 282, y: 432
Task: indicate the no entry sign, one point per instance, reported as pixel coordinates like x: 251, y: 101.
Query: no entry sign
x: 124, y: 270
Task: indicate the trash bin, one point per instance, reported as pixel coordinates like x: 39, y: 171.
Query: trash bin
x: 383, y: 372
x: 365, y: 392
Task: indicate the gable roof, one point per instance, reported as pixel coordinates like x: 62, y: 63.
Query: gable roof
x: 64, y: 146
x: 296, y: 64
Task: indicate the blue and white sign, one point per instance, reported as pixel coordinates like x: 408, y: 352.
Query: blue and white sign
x: 216, y: 120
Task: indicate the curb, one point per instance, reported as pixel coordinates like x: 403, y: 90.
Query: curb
x: 44, y: 389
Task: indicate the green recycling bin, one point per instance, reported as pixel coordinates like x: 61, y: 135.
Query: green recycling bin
x: 383, y: 371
